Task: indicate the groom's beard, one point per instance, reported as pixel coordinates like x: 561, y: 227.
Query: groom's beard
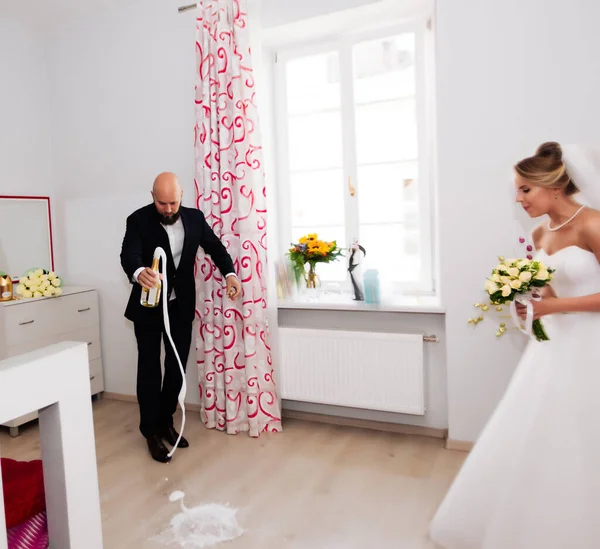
x: 169, y: 219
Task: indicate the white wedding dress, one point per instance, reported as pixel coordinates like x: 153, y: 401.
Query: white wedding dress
x: 532, y: 480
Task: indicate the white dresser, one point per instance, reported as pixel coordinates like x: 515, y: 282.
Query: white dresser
x: 29, y: 324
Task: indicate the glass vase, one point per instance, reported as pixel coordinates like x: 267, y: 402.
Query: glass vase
x: 312, y: 280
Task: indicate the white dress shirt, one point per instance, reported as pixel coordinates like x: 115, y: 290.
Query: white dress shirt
x: 176, y: 234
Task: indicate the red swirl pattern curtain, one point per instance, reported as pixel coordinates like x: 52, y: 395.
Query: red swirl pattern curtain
x: 235, y: 367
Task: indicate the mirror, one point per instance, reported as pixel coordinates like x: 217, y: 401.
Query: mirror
x: 25, y: 234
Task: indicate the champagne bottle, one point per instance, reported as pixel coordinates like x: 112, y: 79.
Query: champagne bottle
x: 151, y: 298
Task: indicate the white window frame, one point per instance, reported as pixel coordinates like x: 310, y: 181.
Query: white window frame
x: 343, y: 45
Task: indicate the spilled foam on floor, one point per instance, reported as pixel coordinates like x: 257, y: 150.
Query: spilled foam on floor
x: 202, y: 526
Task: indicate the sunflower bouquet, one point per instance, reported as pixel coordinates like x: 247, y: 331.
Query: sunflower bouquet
x: 516, y: 281
x: 311, y: 250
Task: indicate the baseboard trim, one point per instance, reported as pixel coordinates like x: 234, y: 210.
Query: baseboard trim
x: 398, y: 428
x: 459, y: 445
x: 192, y: 407
x: 366, y: 424
x: 119, y: 396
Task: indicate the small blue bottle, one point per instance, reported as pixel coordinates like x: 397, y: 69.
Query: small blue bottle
x: 371, y: 286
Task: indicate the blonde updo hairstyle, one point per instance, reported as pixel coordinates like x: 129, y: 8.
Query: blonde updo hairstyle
x: 547, y: 169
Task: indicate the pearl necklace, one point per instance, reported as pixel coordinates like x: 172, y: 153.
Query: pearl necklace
x: 566, y: 222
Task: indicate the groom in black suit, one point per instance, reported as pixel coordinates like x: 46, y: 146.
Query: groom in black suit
x: 179, y: 231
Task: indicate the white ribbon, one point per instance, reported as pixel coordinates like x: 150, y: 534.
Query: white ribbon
x: 527, y: 301
x: 181, y: 398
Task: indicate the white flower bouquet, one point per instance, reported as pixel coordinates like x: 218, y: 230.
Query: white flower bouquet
x: 40, y: 283
x: 515, y: 281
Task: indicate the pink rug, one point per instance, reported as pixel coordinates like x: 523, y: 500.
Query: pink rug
x: 32, y: 534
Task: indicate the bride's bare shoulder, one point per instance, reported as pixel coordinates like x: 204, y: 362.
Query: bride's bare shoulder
x: 537, y: 235
x: 591, y: 215
x: 590, y: 225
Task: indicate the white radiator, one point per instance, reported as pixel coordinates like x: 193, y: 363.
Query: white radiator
x: 373, y: 371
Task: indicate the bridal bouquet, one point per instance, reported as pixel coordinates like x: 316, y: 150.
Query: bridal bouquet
x: 40, y: 283
x: 515, y: 281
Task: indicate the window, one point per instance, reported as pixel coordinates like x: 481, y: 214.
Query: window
x: 353, y: 162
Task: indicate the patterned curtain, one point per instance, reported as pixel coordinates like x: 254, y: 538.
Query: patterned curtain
x: 235, y: 367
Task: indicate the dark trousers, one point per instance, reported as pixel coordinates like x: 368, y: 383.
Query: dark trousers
x: 157, y: 396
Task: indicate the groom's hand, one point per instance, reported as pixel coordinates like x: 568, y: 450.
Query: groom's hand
x: 148, y: 278
x: 234, y: 288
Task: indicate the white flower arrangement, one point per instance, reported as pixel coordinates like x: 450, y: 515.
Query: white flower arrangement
x: 515, y: 280
x: 40, y: 283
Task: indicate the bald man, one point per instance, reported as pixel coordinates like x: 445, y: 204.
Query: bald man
x: 179, y: 231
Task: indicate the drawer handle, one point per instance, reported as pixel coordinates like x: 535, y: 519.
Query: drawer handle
x: 83, y: 310
x: 26, y: 322
x: 89, y: 343
x: 92, y: 378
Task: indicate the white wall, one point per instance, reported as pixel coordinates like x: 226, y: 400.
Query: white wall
x: 123, y: 111
x: 278, y: 12
x: 510, y: 75
x: 25, y: 161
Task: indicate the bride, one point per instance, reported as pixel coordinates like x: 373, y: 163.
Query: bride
x: 532, y: 480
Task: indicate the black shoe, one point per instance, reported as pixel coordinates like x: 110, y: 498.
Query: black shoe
x: 158, y: 450
x: 171, y: 436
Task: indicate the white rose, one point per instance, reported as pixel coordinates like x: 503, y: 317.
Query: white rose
x: 542, y: 274
x: 58, y: 291
x: 47, y: 293
x: 51, y: 275
x: 506, y: 290
x: 30, y: 274
x: 56, y: 282
x: 525, y: 276
x: 513, y: 271
x: 45, y: 284
x: 34, y: 288
x: 39, y: 272
x: 516, y: 284
x: 25, y: 280
x: 523, y: 263
x: 44, y: 277
x: 27, y: 293
x: 51, y: 289
x: 491, y: 287
x: 496, y: 277
x: 37, y: 294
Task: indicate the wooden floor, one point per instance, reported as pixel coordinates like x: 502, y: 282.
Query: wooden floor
x: 313, y: 486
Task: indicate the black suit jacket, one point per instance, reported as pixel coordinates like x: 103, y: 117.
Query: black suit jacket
x: 144, y: 233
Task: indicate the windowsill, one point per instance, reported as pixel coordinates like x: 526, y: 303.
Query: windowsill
x: 343, y: 302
